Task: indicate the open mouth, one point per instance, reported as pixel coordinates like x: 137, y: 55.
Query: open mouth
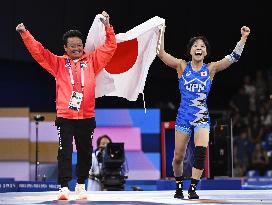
x: 76, y: 52
x: 198, y: 53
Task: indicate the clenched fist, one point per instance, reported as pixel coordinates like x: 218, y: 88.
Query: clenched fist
x: 20, y: 28
x: 106, y: 19
x: 245, y: 31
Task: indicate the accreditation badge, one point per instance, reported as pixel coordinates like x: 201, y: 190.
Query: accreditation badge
x: 75, y: 100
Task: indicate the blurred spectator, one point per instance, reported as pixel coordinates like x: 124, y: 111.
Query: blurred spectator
x: 259, y: 160
x: 261, y: 89
x: 250, y: 90
x: 239, y: 169
x: 238, y: 123
x: 256, y: 129
x: 242, y: 150
x: 240, y: 102
x: 268, y: 140
x: 266, y: 114
x: 251, y: 112
x: 269, y: 80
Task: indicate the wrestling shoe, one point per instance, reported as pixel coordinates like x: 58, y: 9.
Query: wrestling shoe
x: 192, y: 193
x: 179, y: 192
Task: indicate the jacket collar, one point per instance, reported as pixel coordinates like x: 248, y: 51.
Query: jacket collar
x: 81, y: 58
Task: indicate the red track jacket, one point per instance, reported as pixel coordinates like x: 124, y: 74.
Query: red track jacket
x: 95, y: 62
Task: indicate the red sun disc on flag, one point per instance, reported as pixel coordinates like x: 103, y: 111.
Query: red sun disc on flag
x: 124, y: 57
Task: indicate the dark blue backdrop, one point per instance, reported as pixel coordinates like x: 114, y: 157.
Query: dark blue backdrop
x: 26, y: 84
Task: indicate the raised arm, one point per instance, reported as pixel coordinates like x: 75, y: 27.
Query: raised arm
x: 234, y: 56
x: 103, y: 54
x: 44, y: 57
x: 167, y: 58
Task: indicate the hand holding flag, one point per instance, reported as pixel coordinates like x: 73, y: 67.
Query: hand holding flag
x: 126, y: 73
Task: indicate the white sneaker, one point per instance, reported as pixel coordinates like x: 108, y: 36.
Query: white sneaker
x: 81, y: 191
x: 64, y: 193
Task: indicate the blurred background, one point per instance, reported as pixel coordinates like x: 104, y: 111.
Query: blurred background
x: 241, y: 93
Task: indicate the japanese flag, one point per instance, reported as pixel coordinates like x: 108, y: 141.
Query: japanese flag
x: 126, y: 73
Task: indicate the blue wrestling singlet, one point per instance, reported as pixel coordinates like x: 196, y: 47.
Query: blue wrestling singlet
x: 193, y: 111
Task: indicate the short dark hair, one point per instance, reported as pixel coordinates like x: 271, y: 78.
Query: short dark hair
x: 194, y: 39
x: 70, y: 34
x: 100, y: 138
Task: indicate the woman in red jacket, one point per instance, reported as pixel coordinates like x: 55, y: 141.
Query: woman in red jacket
x: 74, y: 73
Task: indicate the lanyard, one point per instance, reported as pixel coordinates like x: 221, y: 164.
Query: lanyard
x: 82, y: 66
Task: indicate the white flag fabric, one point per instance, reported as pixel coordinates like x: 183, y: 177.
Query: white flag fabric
x: 126, y: 73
